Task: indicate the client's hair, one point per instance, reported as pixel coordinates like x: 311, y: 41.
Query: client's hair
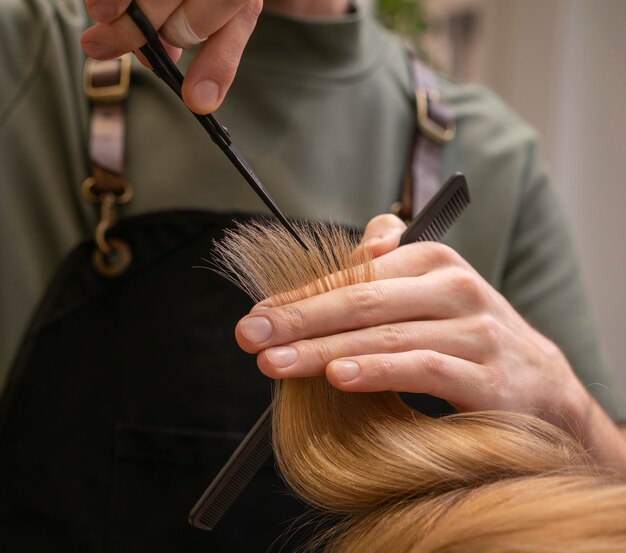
x: 472, y: 482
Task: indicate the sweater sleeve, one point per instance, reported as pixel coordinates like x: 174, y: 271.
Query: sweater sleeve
x: 516, y: 235
x: 42, y: 153
x: 24, y: 28
x: 542, y: 280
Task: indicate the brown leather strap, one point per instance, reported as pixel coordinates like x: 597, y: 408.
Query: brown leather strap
x: 106, y: 85
x: 435, y: 128
x: 106, y: 148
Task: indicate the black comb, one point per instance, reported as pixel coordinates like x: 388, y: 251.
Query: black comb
x: 432, y: 222
x: 234, y: 476
x: 429, y: 225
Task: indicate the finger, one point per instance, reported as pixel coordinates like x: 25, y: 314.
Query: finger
x: 305, y: 358
x: 105, y: 11
x: 192, y: 23
x: 110, y: 40
x: 382, y: 234
x: 459, y: 382
x: 411, y: 260
x: 438, y: 295
x: 213, y: 69
x: 417, y: 259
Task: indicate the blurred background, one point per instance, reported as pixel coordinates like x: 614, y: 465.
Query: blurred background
x: 561, y: 64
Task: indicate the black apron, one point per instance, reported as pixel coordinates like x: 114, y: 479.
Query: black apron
x: 125, y: 399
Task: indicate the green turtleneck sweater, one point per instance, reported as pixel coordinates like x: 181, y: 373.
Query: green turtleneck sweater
x: 323, y: 111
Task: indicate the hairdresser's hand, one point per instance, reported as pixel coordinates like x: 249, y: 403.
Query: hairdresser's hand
x: 222, y: 26
x: 429, y: 323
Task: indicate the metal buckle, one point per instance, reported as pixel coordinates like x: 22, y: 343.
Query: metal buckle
x: 110, y: 93
x: 431, y: 129
x: 90, y: 195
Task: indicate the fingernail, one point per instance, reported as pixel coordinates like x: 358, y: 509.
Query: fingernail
x: 282, y: 357
x: 256, y: 329
x: 100, y: 50
x: 104, y: 13
x: 345, y: 370
x: 205, y: 95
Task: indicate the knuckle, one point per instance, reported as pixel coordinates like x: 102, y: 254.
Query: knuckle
x: 383, y: 370
x: 468, y: 286
x: 366, y: 299
x: 292, y: 320
x: 316, y: 352
x: 429, y: 256
x: 440, y: 255
x: 489, y: 332
x: 323, y: 352
x: 391, y: 338
x: 433, y: 367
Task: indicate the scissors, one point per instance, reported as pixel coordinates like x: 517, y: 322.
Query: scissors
x: 164, y: 68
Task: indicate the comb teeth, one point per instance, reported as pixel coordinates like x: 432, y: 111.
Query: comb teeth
x: 234, y: 476
x: 445, y: 218
x: 440, y: 213
x: 234, y: 486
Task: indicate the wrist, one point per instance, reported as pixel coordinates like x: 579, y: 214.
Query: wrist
x: 569, y: 402
x: 585, y: 419
x: 576, y: 410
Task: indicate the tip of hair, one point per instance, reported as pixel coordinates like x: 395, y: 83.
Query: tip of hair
x: 264, y: 259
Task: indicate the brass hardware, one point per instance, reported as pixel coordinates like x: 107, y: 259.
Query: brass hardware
x: 397, y: 209
x: 92, y: 197
x: 115, y: 262
x: 112, y: 256
x: 111, y: 93
x: 431, y: 129
x: 107, y: 219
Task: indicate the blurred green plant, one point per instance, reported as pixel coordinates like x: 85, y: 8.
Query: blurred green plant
x: 407, y: 17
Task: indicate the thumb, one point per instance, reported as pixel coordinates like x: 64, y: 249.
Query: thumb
x: 382, y: 234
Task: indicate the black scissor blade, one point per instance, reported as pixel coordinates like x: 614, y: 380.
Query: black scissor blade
x: 248, y: 174
x: 169, y: 73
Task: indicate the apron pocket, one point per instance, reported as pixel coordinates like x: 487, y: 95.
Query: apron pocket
x: 158, y: 475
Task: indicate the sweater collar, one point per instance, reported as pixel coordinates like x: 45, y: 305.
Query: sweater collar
x: 337, y: 47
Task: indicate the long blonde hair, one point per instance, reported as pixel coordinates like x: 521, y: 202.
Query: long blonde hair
x: 470, y: 482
